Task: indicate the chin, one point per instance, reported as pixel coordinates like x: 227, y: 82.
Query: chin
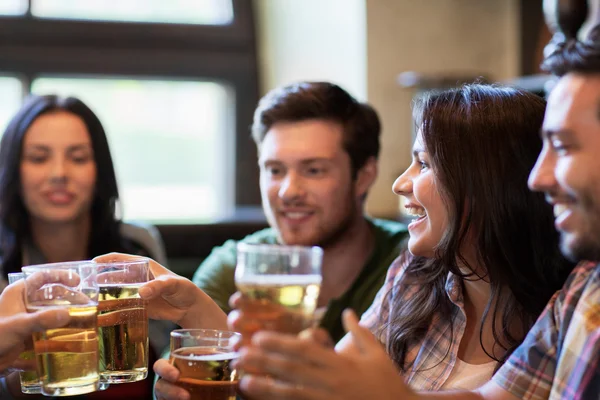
x: 419, y: 249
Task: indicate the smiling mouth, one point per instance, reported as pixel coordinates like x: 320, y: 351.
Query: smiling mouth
x: 417, y: 213
x: 559, y: 209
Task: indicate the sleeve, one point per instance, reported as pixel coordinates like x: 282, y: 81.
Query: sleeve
x: 215, y: 276
x: 378, y: 312
x: 532, y: 371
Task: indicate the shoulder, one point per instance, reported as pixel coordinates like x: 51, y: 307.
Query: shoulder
x: 584, y: 280
x: 224, y: 257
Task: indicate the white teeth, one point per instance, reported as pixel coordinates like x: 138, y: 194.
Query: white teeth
x: 296, y: 215
x: 559, y: 209
x: 416, y: 211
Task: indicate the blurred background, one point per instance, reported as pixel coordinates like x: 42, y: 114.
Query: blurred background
x: 175, y: 84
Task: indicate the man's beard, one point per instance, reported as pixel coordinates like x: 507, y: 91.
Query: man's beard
x: 586, y: 245
x: 580, y: 250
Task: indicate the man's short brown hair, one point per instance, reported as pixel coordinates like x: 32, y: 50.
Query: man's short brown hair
x: 322, y: 100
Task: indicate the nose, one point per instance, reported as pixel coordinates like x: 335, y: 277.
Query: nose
x: 58, y: 171
x: 542, y: 178
x: 403, y: 185
x: 292, y: 187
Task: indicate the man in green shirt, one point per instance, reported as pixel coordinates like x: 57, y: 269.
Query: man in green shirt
x: 318, y: 150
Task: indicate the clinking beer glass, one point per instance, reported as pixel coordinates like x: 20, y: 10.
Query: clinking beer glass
x: 122, y: 321
x: 203, y: 358
x: 67, y: 357
x: 280, y: 286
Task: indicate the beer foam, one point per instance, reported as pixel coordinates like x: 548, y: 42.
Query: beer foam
x: 207, y: 357
x: 280, y: 280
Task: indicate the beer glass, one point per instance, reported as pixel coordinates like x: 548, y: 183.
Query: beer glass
x: 122, y: 321
x: 203, y: 358
x: 30, y: 383
x: 280, y: 285
x: 66, y: 358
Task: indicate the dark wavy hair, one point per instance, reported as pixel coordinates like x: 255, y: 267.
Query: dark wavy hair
x: 322, y: 100
x: 483, y: 141
x: 14, y: 218
x: 572, y: 55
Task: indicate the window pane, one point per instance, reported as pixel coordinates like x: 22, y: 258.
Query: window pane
x: 211, y: 12
x: 10, y: 101
x: 13, y: 7
x: 169, y: 142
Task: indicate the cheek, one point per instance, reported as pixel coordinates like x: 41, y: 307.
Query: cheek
x: 30, y: 179
x: 85, y: 179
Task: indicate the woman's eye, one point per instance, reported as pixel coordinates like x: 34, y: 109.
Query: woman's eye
x: 423, y: 165
x: 36, y: 159
x: 80, y: 159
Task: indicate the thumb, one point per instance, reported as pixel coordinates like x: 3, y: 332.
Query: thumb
x: 361, y: 336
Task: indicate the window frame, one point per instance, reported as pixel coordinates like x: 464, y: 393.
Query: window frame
x: 32, y: 47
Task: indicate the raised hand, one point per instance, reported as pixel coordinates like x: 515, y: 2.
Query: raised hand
x: 281, y: 366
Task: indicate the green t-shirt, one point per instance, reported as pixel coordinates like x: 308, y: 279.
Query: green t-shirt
x: 215, y: 276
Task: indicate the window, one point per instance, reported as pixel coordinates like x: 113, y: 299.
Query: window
x: 212, y: 12
x: 166, y: 140
x: 174, y: 84
x: 12, y: 93
x: 13, y: 7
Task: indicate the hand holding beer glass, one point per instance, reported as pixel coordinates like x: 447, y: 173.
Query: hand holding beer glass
x: 67, y: 358
x: 123, y: 321
x: 279, y: 287
x: 203, y: 358
x: 30, y: 383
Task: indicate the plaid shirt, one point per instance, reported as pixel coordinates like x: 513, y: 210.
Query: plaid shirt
x: 560, y: 358
x: 435, y: 356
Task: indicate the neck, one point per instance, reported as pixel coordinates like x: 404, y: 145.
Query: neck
x: 344, y: 260
x: 63, y: 241
x: 477, y: 292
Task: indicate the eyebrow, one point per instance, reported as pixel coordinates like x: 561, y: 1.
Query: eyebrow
x: 303, y: 161
x: 416, y: 151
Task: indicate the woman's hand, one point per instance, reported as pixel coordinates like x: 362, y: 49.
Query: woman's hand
x: 17, y: 326
x: 280, y: 366
x: 174, y: 298
x: 165, y: 387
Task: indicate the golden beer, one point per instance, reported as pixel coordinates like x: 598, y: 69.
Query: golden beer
x: 123, y: 328
x: 206, y: 373
x: 67, y: 358
x: 283, y: 303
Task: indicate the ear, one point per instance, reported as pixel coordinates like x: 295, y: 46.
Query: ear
x: 365, y: 177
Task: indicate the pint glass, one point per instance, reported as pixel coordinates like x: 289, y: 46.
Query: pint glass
x: 123, y: 321
x: 280, y: 285
x: 66, y: 358
x: 203, y: 358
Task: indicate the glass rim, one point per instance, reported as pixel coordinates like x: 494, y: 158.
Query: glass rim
x: 124, y: 263
x: 57, y: 265
x: 194, y: 333
x: 279, y: 248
